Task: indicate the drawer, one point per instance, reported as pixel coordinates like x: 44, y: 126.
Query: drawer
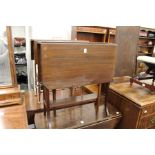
x: 147, y: 122
x: 114, y: 99
x: 148, y: 110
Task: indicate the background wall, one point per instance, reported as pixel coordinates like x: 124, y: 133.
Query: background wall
x: 54, y: 32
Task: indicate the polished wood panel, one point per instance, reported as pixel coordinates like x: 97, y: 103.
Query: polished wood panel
x: 126, y: 39
x: 76, y: 68
x: 10, y: 96
x: 13, y: 117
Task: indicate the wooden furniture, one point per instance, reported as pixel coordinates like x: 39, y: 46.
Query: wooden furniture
x: 10, y: 96
x: 73, y: 117
x: 69, y: 65
x: 13, y: 117
x: 136, y: 103
x: 81, y: 117
x: 12, y: 112
x: 35, y: 47
x: 94, y: 34
x: 132, y: 41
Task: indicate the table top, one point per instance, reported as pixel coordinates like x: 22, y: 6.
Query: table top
x: 65, y: 65
x: 136, y: 93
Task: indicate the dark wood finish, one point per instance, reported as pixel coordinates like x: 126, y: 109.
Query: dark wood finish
x: 131, y: 44
x: 93, y: 34
x: 65, y: 65
x: 71, y: 117
x: 81, y: 117
x: 126, y: 39
x: 136, y: 104
x: 76, y: 68
x: 35, y: 48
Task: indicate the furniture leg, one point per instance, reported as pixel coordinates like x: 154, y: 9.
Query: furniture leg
x: 47, y: 105
x: 54, y: 98
x: 44, y: 101
x: 39, y: 92
x: 106, y: 99
x: 30, y: 117
x: 98, y: 98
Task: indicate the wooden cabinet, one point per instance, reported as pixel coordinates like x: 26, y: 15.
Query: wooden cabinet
x: 13, y: 117
x: 133, y: 41
x: 94, y: 34
x: 137, y: 105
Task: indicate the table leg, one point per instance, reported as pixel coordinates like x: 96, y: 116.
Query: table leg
x: 54, y: 98
x: 98, y: 98
x: 44, y: 102
x: 47, y: 105
x: 106, y: 98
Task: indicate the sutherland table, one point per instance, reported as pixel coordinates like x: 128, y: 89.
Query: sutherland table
x: 136, y: 103
x: 68, y: 65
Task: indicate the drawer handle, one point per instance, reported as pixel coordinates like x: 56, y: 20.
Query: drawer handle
x: 145, y: 111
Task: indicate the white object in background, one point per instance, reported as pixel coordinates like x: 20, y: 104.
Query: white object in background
x: 1, y: 114
x: 146, y: 59
x: 85, y: 50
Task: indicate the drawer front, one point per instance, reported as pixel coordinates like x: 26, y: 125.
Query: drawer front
x: 128, y: 109
x: 114, y: 99
x: 148, y: 110
x: 147, y: 122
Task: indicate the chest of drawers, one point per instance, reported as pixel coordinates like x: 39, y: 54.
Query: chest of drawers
x: 136, y: 104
